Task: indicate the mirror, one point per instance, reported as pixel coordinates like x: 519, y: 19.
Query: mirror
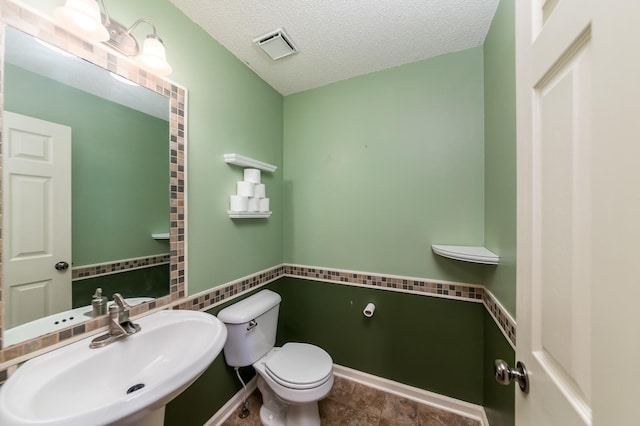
x: 110, y: 206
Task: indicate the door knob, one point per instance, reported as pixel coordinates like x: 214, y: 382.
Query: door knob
x: 61, y: 266
x: 505, y: 374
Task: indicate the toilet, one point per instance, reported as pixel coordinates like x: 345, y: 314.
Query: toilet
x: 292, y: 378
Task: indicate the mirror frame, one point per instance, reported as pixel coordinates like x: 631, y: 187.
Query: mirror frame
x: 42, y: 27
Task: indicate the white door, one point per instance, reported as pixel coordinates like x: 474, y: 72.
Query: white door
x: 578, y: 91
x: 36, y: 218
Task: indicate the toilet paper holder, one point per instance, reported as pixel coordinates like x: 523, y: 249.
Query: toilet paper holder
x: 369, y: 310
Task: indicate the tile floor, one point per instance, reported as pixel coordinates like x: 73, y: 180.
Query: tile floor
x: 351, y: 403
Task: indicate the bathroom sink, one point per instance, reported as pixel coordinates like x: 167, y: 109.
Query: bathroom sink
x: 124, y: 382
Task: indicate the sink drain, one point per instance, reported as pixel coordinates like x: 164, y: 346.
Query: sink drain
x: 134, y: 388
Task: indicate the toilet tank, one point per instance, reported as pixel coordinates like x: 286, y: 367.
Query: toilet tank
x: 251, y: 328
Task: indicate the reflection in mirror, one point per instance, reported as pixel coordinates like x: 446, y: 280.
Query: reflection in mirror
x: 86, y: 172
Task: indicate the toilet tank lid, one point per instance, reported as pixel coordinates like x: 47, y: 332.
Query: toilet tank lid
x: 249, y: 308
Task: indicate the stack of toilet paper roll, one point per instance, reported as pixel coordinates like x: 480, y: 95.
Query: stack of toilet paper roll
x: 250, y: 194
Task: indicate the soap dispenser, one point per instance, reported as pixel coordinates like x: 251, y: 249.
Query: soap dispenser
x: 99, y: 303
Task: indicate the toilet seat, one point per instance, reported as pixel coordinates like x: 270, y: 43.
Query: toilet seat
x: 299, y: 366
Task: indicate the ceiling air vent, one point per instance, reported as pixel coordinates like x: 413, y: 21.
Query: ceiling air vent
x: 277, y: 44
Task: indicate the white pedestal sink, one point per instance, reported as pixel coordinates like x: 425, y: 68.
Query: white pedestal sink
x: 127, y: 382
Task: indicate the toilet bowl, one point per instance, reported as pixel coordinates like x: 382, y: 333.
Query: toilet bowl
x: 292, y: 378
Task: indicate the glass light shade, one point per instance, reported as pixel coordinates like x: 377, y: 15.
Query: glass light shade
x: 84, y: 18
x: 153, y: 56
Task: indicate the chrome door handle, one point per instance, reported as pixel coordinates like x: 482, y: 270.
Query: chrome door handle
x: 61, y: 266
x: 505, y: 374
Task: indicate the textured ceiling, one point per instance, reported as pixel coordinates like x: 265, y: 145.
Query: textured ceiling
x: 341, y: 39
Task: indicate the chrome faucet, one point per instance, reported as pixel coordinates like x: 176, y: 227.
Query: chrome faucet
x: 119, y: 324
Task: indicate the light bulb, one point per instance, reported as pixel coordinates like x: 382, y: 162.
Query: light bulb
x: 84, y: 18
x: 153, y: 56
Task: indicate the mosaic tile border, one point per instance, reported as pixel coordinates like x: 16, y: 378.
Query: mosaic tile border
x: 432, y: 288
x: 229, y: 291
x: 100, y: 269
x: 388, y: 282
x: 31, y: 22
x: 505, y: 322
x: 217, y: 295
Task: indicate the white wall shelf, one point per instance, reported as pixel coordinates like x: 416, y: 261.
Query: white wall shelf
x: 249, y: 215
x: 246, y: 191
x: 242, y: 161
x: 474, y: 254
x: 160, y: 236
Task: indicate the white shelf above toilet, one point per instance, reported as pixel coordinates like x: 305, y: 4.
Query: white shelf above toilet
x: 474, y: 254
x: 160, y: 236
x: 249, y: 215
x: 242, y: 161
x: 248, y: 163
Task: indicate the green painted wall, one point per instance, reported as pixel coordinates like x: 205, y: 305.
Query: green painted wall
x: 500, y: 200
x: 120, y: 167
x: 230, y: 109
x: 381, y: 166
x: 500, y: 153
x: 499, y: 400
x: 199, y: 402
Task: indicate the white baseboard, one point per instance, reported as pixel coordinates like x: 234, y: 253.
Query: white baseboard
x: 232, y: 405
x: 422, y: 396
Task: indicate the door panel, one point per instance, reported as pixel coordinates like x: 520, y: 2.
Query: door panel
x: 37, y: 218
x: 32, y: 297
x: 554, y: 55
x: 30, y: 232
x: 562, y: 220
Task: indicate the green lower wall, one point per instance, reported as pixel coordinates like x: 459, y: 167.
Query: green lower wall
x: 444, y: 346
x: 145, y: 282
x: 426, y: 342
x: 499, y: 401
x: 205, y: 397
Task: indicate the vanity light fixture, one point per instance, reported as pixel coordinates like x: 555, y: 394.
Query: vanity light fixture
x: 85, y: 17
x: 90, y: 19
x: 152, y: 56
